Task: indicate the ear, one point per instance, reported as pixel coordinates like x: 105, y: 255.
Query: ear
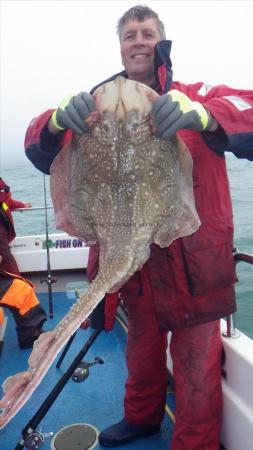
x: 122, y: 59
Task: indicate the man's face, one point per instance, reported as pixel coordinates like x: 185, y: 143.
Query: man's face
x: 137, y: 41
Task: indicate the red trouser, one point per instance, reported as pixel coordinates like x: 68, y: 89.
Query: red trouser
x: 8, y: 262
x: 196, y: 354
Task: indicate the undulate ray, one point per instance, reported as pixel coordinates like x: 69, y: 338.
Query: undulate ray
x: 118, y: 186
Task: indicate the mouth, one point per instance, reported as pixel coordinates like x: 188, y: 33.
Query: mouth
x: 140, y: 55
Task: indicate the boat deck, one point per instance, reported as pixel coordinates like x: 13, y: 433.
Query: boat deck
x: 98, y: 400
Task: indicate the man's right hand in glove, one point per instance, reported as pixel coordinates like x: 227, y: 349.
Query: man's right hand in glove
x: 72, y: 114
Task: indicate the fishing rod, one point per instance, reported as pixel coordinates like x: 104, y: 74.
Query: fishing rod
x: 50, y: 279
x: 78, y: 371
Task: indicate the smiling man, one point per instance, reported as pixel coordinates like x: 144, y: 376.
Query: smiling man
x: 189, y: 286
x: 138, y: 40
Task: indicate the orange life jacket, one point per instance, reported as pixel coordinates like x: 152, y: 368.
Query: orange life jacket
x: 1, y: 316
x: 17, y: 292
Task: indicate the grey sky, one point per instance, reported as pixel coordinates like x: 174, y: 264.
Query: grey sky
x: 52, y: 48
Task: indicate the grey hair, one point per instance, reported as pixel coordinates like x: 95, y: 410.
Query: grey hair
x: 140, y: 13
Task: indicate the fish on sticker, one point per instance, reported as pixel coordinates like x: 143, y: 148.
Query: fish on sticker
x: 118, y: 186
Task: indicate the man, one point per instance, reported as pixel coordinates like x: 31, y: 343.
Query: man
x: 7, y: 230
x: 17, y: 294
x: 188, y: 287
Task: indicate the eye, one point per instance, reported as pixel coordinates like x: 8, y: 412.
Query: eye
x: 106, y: 127
x: 128, y: 37
x: 149, y: 35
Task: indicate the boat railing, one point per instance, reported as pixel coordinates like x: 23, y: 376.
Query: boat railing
x: 32, y: 208
x: 232, y: 331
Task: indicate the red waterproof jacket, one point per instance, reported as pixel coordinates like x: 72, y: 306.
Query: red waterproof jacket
x: 7, y: 204
x: 6, y: 221
x: 192, y: 280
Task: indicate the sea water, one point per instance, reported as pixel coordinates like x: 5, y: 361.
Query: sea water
x: 28, y: 184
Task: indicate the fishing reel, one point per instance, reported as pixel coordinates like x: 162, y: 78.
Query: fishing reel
x: 50, y: 280
x: 82, y: 370
x: 36, y: 439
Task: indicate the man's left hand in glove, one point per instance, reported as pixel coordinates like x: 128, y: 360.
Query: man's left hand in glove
x: 173, y: 111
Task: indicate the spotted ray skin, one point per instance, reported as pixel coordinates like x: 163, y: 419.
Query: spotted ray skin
x: 118, y: 186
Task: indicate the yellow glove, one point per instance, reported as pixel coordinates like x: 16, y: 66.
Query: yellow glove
x: 175, y: 110
x: 73, y: 111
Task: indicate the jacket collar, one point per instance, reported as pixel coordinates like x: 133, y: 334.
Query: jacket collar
x: 163, y: 66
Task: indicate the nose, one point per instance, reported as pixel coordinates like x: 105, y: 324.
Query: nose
x: 139, y: 39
